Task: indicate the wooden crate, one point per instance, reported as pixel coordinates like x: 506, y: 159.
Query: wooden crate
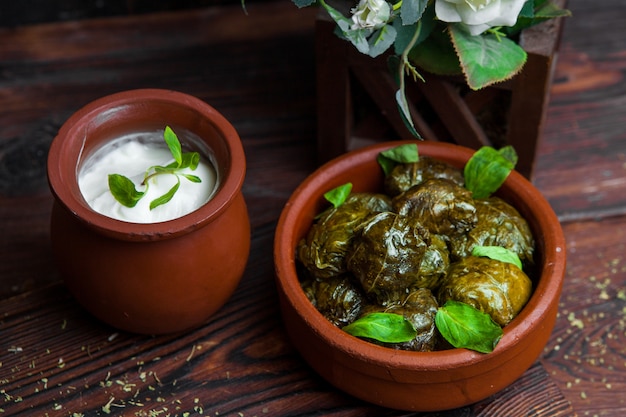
x: 356, y: 99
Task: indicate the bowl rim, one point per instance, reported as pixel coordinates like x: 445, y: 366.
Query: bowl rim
x: 64, y: 185
x: 545, y: 294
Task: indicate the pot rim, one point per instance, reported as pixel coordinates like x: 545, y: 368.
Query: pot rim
x: 62, y: 178
x: 545, y: 296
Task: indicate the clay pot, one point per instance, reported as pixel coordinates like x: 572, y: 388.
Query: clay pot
x: 416, y: 381
x: 158, y: 277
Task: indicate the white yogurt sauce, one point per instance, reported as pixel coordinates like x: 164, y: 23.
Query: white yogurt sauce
x: 131, y: 156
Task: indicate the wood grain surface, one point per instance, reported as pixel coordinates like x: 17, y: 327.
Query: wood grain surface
x: 258, y: 70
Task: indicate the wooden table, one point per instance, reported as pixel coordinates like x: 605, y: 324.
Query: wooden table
x: 258, y: 70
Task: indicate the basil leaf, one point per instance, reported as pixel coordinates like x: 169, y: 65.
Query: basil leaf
x: 192, y: 178
x: 165, y: 197
x: 487, y: 170
x: 384, y: 327
x: 402, y: 154
x: 498, y: 253
x: 123, y: 190
x: 173, y: 144
x: 463, y: 326
x: 509, y: 153
x: 338, y: 195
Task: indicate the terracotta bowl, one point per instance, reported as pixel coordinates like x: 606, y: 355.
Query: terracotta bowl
x: 416, y: 381
x: 156, y: 277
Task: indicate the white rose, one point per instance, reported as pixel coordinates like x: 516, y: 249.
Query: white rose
x: 370, y: 14
x: 479, y: 15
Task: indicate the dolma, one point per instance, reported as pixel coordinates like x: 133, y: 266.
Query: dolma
x: 499, y: 224
x: 323, y: 250
x: 419, y: 307
x: 404, y: 176
x: 441, y: 205
x: 434, y: 264
x: 386, y: 254
x: 497, y: 288
x: 337, y: 298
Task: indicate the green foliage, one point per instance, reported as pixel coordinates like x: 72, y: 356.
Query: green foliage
x: 384, y: 327
x: 498, y: 253
x: 487, y: 170
x: 486, y: 59
x: 338, y: 195
x: 411, y: 11
x: 463, y: 326
x: 422, y: 41
x: 399, y: 155
x: 124, y: 191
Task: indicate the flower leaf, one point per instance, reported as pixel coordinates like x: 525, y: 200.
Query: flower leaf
x: 303, y: 3
x: 173, y: 144
x: 165, y: 197
x: 124, y: 191
x: 533, y: 14
x: 487, y: 170
x: 405, y: 31
x: 436, y: 53
x: 405, y: 113
x: 411, y: 11
x: 463, y: 326
x: 357, y: 37
x: 486, y: 59
x: 498, y: 253
x: 338, y: 195
x: 381, y: 40
x: 384, y: 327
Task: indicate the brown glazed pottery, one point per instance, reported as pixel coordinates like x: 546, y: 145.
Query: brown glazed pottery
x: 158, y: 277
x: 416, y: 381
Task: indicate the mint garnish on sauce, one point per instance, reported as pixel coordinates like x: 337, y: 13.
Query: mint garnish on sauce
x: 123, y: 188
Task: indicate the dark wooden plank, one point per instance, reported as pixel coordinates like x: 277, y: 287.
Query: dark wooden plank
x: 581, y: 165
x: 587, y: 352
x: 259, y: 71
x: 57, y: 360
x: 242, y: 73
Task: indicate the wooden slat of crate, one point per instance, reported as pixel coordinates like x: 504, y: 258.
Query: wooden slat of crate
x: 341, y: 70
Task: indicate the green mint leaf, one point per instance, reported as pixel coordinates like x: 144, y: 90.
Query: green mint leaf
x: 486, y: 170
x: 486, y: 59
x: 498, y: 253
x: 124, y: 191
x: 165, y: 197
x: 192, y: 178
x: 190, y: 160
x: 168, y: 169
x: 384, y: 327
x: 403, y: 154
x: 173, y: 144
x: 338, y: 195
x: 463, y: 326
